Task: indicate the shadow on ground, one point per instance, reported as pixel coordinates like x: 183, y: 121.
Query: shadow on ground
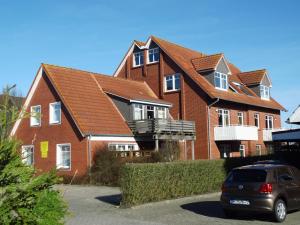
x: 111, y: 199
x: 214, y: 209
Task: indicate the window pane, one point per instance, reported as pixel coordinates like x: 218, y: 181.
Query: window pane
x: 177, y: 82
x: 65, y: 153
x: 169, y: 83
x: 220, y: 117
x: 217, y: 80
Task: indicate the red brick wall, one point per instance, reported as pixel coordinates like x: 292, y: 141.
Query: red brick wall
x: 66, y: 132
x: 191, y: 104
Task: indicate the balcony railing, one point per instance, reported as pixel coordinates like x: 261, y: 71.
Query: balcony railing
x: 162, y: 126
x: 267, y: 133
x: 236, y: 133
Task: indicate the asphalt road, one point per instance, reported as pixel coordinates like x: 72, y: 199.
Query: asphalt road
x: 93, y: 205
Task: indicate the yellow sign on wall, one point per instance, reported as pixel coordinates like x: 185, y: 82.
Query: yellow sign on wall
x: 44, y: 149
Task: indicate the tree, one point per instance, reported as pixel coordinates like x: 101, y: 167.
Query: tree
x: 25, y: 197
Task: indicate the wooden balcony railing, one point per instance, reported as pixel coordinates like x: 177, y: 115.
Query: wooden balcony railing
x: 161, y: 126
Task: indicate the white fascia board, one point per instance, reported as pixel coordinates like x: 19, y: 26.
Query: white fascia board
x: 150, y: 103
x: 111, y: 138
x: 28, y: 99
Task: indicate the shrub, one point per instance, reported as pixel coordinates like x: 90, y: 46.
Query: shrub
x: 106, y: 166
x: 25, y: 198
x: 141, y: 183
x: 169, y: 151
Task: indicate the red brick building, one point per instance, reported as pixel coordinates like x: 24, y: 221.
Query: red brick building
x: 160, y: 91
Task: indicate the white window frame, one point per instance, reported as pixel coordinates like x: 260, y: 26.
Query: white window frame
x: 265, y: 92
x: 25, y: 154
x: 34, y: 117
x: 136, y: 107
x: 141, y: 56
x: 242, y: 150
x: 241, y: 115
x: 51, y: 113
x: 256, y: 117
x: 59, y: 157
x: 126, y: 145
x: 172, y: 77
x: 164, y: 111
x: 223, y: 113
x: 222, y: 77
x: 155, y: 51
x: 269, y: 118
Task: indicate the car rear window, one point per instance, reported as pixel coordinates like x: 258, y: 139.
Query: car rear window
x: 251, y: 176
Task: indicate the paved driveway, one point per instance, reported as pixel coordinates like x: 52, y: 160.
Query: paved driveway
x: 91, y: 205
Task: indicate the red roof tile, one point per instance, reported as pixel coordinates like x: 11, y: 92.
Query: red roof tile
x: 91, y: 109
x: 207, y: 63
x: 252, y: 77
x: 183, y: 56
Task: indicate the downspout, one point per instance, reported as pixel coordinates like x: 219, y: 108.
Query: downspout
x: 209, y: 141
x: 89, y: 155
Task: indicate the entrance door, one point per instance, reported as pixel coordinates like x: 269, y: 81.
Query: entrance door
x: 225, y: 151
x: 150, y: 112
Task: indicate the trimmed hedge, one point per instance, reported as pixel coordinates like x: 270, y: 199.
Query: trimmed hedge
x: 141, y: 183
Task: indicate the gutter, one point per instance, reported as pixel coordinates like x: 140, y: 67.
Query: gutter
x: 208, y: 110
x: 89, y: 156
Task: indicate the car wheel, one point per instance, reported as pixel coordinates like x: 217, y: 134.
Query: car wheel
x: 229, y: 213
x: 280, y: 210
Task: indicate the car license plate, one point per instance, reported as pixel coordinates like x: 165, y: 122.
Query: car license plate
x: 239, y: 202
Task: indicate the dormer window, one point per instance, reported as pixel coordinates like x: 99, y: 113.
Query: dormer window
x: 221, y: 81
x: 264, y: 92
x: 138, y: 59
x: 153, y: 55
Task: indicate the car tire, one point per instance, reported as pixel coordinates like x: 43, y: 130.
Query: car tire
x: 229, y: 213
x: 279, y: 210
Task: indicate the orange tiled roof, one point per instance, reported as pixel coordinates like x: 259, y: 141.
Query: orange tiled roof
x: 252, y: 77
x: 139, y: 43
x: 183, y: 58
x: 83, y: 94
x: 206, y: 63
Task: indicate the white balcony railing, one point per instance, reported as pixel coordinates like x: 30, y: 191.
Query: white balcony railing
x: 267, y: 133
x: 236, y: 133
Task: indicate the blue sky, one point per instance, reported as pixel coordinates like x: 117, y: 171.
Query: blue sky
x: 94, y: 36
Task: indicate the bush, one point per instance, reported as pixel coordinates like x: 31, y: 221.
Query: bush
x: 25, y: 197
x: 106, y: 166
x: 141, y: 183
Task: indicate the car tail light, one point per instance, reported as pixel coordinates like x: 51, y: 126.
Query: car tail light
x: 223, y: 188
x: 266, y: 188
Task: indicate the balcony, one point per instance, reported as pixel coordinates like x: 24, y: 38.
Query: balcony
x: 236, y: 133
x: 164, y: 129
x: 267, y: 133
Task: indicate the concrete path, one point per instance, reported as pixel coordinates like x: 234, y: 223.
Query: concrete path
x: 94, y: 205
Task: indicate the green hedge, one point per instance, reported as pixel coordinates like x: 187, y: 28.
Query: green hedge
x: 141, y: 183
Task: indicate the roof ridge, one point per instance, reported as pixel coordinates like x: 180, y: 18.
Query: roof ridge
x: 189, y: 49
x: 251, y: 71
x: 204, y: 56
x: 93, y: 73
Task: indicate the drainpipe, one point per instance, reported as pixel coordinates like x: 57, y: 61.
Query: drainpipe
x: 209, y: 142
x: 89, y: 155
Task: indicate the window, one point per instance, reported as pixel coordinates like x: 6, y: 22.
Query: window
x: 256, y: 120
x: 264, y: 92
x: 35, y: 116
x: 27, y: 154
x: 123, y: 147
x: 221, y: 81
x: 63, y: 156
x: 258, y: 149
x: 153, y: 55
x: 172, y: 82
x: 242, y: 151
x: 161, y: 113
x: 138, y: 113
x: 150, y: 112
x: 225, y: 151
x: 223, y: 117
x: 55, y: 113
x: 138, y: 58
x: 269, y: 122
x: 240, y: 118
